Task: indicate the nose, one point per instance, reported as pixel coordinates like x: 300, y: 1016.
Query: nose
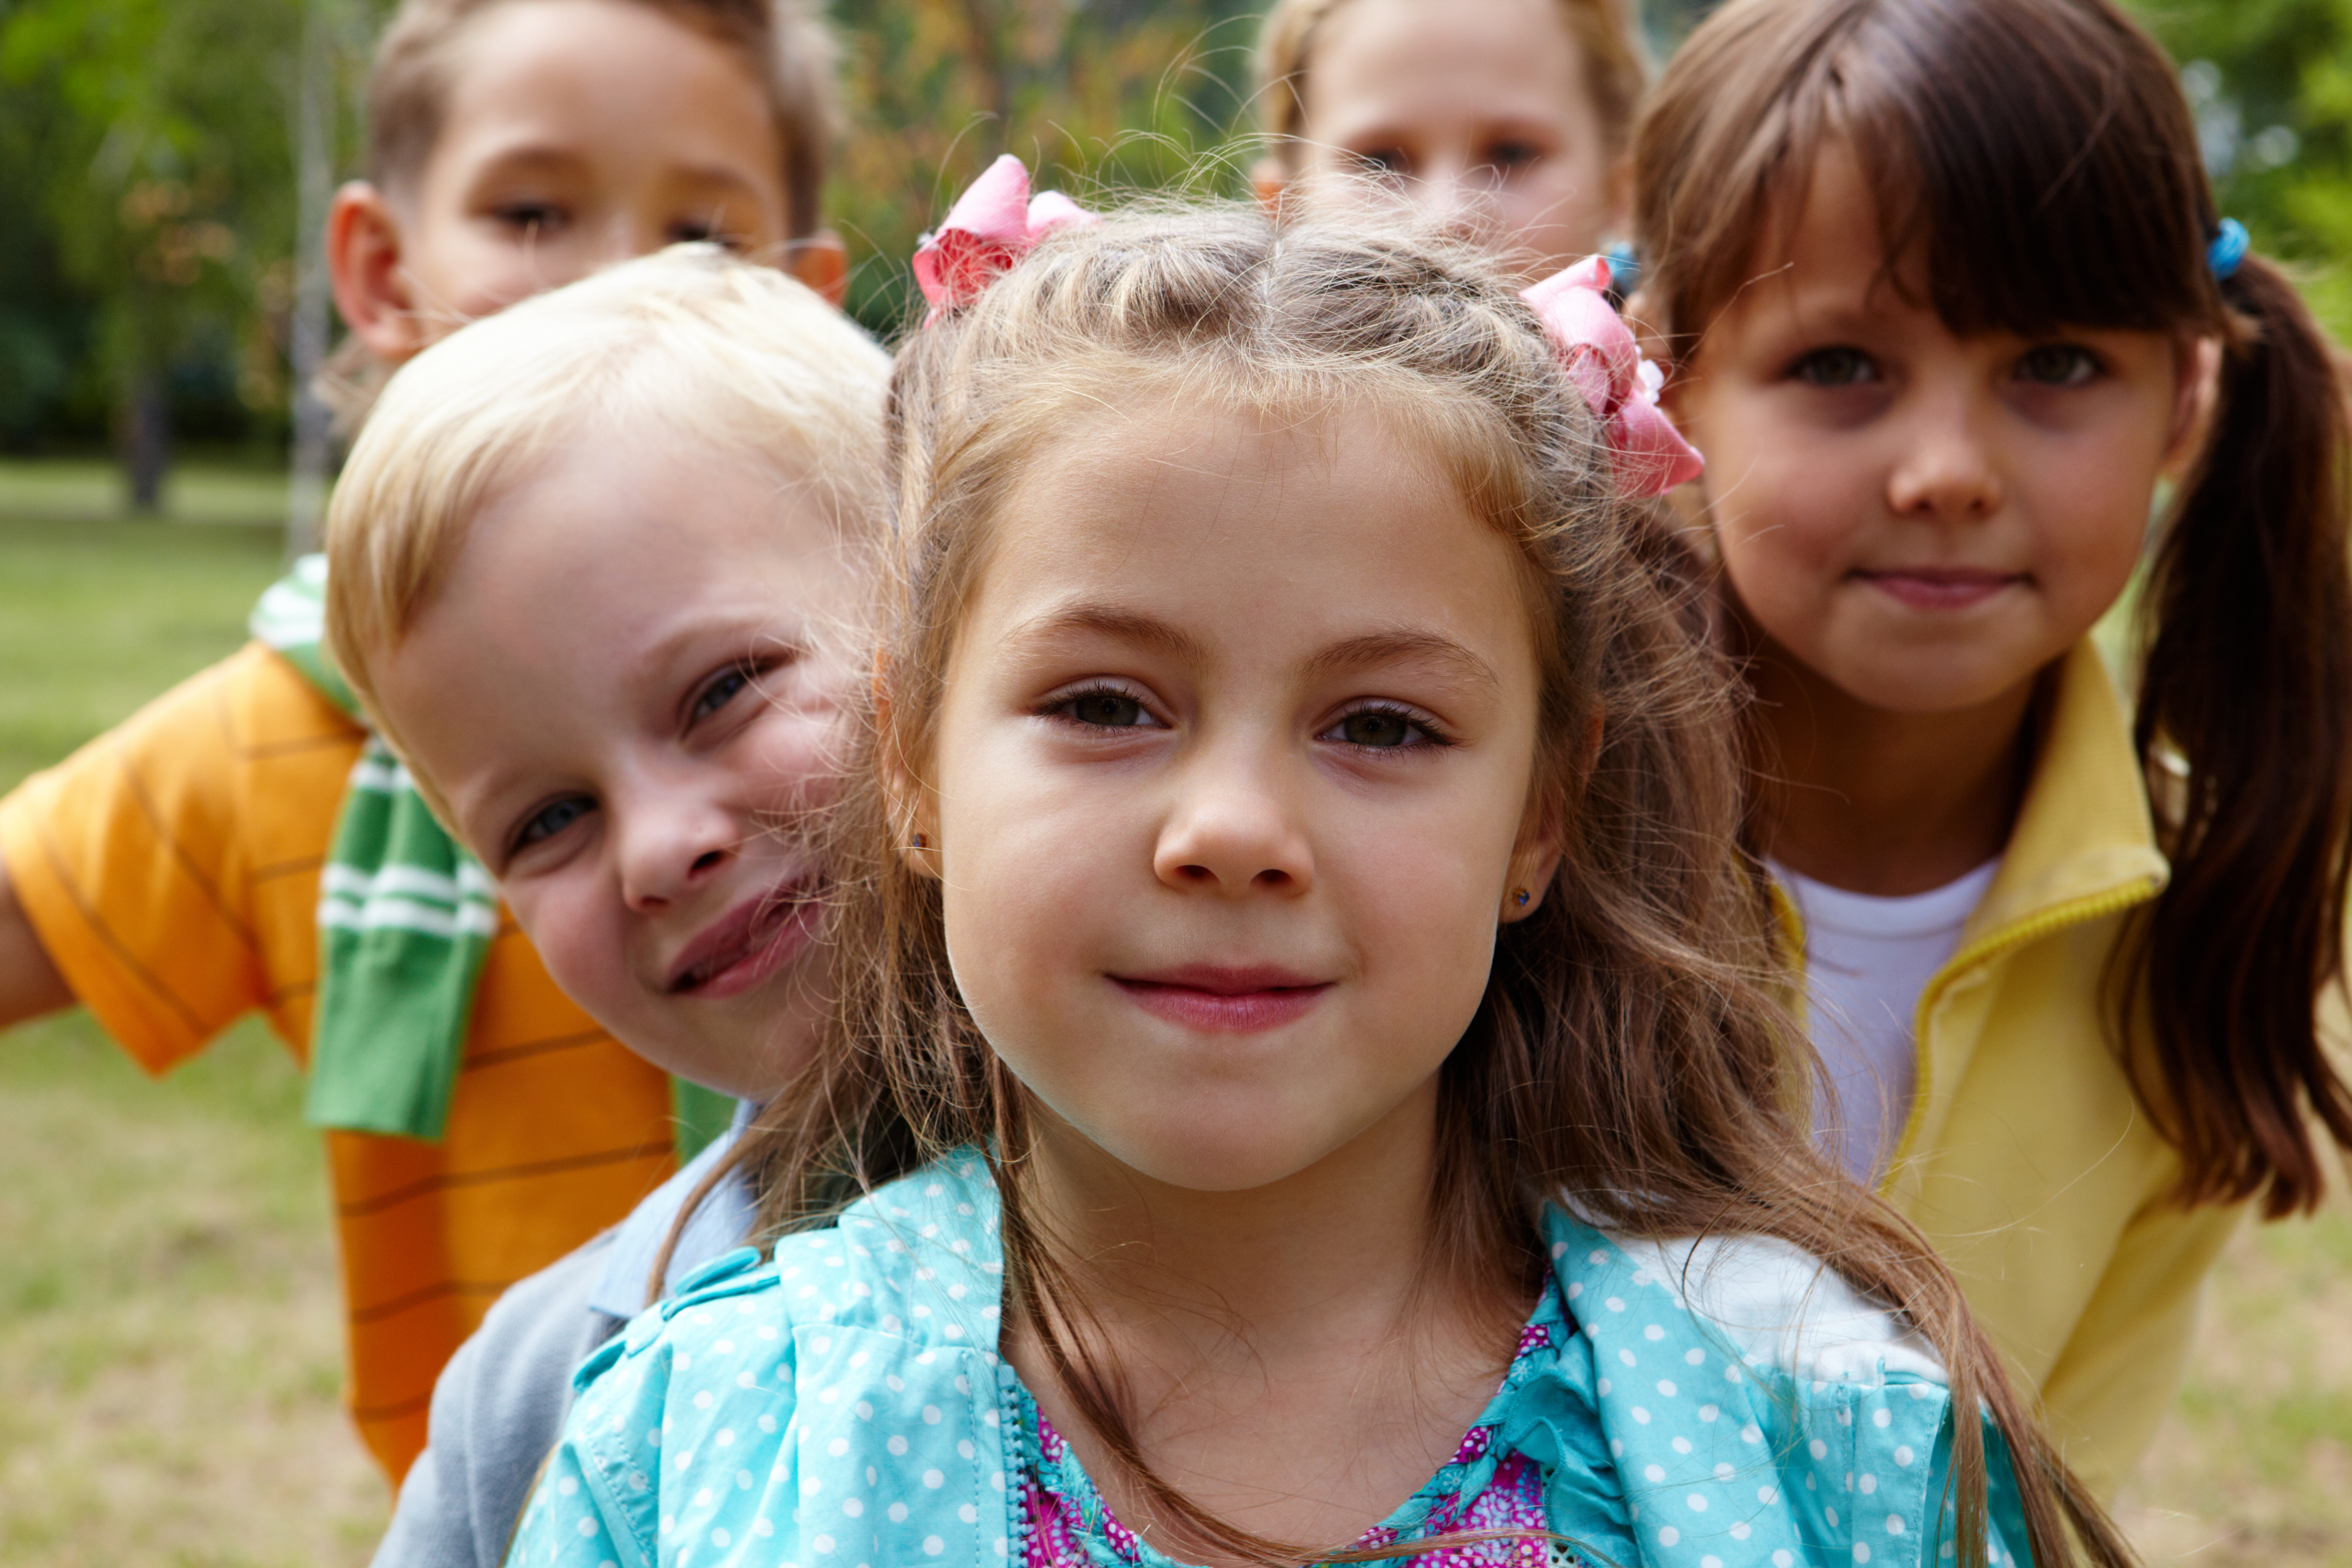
x: 668, y: 844
x: 1233, y: 832
x: 1946, y: 471
x: 1449, y: 196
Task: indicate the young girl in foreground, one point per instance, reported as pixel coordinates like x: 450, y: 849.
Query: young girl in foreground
x: 1301, y: 920
x: 1950, y: 290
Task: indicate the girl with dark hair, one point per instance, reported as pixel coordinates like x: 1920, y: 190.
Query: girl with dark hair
x: 1948, y: 300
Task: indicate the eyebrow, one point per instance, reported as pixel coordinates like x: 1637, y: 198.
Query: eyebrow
x: 1376, y: 648
x: 1110, y: 621
x: 1365, y: 652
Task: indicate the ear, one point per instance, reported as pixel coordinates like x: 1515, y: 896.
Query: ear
x: 821, y: 262
x: 1268, y: 181
x: 2197, y: 377
x: 1535, y: 860
x: 365, y: 264
x: 914, y: 807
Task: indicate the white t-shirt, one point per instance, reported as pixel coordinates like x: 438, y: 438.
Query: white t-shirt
x: 1867, y: 959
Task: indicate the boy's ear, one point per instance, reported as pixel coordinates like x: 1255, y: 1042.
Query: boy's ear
x: 364, y: 263
x: 821, y: 262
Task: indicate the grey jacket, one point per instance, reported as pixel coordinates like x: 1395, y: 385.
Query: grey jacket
x: 499, y: 1404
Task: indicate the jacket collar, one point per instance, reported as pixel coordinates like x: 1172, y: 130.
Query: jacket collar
x: 2085, y: 835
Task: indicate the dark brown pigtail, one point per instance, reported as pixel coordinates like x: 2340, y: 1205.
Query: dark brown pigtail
x: 2245, y: 727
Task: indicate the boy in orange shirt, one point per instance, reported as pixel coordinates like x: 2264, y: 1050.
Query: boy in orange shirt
x: 168, y: 875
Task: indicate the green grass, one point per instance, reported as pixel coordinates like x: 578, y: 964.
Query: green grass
x: 170, y: 1332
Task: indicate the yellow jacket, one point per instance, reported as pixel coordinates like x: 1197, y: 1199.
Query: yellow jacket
x: 2026, y: 1159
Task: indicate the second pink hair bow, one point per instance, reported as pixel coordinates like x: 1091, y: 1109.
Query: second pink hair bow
x: 993, y: 225
x: 1598, y: 354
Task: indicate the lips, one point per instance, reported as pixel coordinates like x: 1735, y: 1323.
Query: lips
x: 1940, y: 587
x: 750, y: 942
x: 1216, y: 999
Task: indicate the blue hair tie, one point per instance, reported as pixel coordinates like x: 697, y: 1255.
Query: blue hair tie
x: 2228, y: 249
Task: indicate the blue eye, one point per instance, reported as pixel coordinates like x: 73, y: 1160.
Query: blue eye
x: 552, y: 819
x: 1835, y: 367
x: 718, y: 694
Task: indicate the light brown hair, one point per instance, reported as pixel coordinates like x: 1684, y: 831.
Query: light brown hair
x: 2039, y: 157
x: 1616, y: 66
x: 1629, y: 1053
x: 783, y: 44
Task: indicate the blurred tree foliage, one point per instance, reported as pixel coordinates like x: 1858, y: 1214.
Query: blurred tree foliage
x: 2272, y: 84
x: 147, y: 172
x: 1097, y: 96
x: 147, y: 185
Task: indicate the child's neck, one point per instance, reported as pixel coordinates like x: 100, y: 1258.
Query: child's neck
x: 1879, y: 802
x: 1285, y: 1360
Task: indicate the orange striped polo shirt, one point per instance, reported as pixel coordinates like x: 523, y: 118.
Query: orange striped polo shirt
x: 172, y: 869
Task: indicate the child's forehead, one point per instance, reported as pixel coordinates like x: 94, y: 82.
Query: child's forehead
x: 581, y: 74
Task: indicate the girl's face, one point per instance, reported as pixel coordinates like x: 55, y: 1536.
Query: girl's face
x: 1925, y: 521
x: 1230, y: 787
x: 1475, y: 113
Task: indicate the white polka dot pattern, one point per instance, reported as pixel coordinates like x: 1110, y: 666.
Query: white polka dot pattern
x: 843, y: 1406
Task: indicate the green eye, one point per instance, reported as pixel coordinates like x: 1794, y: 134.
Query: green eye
x: 1108, y: 711
x: 1375, y: 727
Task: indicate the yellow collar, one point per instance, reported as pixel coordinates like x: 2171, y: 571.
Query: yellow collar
x: 2085, y: 843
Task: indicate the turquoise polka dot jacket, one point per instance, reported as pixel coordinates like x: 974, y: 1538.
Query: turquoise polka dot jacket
x: 1718, y: 1404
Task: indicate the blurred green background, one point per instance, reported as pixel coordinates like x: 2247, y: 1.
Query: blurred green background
x: 169, y: 1345
x: 149, y: 152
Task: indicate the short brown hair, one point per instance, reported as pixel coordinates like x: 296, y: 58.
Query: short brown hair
x: 1616, y: 66
x: 785, y: 43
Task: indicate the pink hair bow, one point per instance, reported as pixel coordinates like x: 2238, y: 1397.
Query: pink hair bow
x: 1598, y: 354
x: 993, y: 225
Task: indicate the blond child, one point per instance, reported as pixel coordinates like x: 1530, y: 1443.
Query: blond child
x: 595, y: 570
x: 169, y: 876
x: 1510, y: 120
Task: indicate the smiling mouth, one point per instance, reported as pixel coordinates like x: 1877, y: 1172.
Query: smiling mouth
x: 1224, y: 1001
x: 1940, y: 587
x: 750, y: 942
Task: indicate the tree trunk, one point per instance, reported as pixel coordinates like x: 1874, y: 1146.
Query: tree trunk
x: 146, y: 439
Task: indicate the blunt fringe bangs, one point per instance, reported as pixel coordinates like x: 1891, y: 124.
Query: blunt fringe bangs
x: 2039, y: 160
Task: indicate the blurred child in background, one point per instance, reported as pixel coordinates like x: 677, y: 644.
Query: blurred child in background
x: 1292, y: 891
x: 170, y: 875
x: 596, y: 569
x: 1510, y: 120
x: 1950, y: 292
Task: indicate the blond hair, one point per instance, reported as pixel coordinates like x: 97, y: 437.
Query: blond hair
x: 1616, y: 66
x: 1629, y: 1055
x: 690, y: 345
x: 784, y: 43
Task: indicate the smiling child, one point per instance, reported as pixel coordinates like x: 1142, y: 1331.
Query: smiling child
x: 598, y: 571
